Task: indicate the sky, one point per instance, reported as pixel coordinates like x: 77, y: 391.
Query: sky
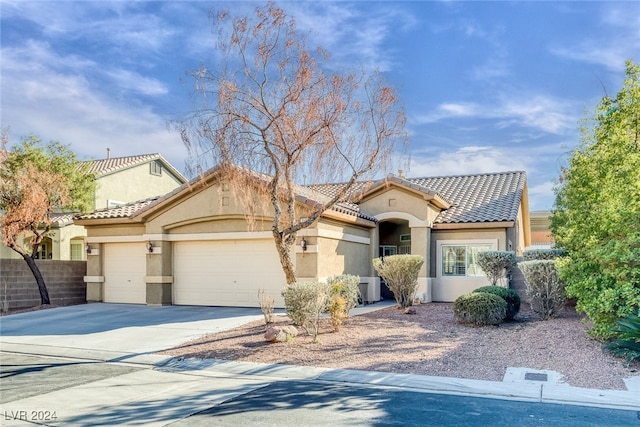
x: 487, y: 86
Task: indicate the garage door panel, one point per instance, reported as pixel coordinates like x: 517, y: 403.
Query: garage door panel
x: 124, y: 271
x: 226, y: 273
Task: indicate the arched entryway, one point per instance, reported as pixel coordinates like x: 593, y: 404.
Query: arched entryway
x: 394, y: 238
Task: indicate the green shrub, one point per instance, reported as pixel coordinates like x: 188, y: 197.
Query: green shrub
x: 543, y: 254
x: 480, y: 308
x: 400, y: 272
x: 509, y: 296
x: 304, y: 302
x: 348, y: 287
x: 627, y: 344
x: 544, y: 288
x: 496, y: 264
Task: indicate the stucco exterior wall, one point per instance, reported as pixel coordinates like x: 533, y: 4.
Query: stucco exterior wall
x: 395, y: 199
x: 133, y: 184
x: 447, y: 289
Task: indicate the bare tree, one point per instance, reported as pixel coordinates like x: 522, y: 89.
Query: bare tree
x: 272, y: 106
x: 34, y: 181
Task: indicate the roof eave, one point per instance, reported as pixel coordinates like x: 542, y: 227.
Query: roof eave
x: 474, y: 225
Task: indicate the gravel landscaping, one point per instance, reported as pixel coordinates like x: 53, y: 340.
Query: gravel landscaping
x: 430, y: 342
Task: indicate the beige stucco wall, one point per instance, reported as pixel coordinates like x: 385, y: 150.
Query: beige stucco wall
x: 60, y: 243
x: 133, y: 184
x: 447, y: 289
x: 396, y: 199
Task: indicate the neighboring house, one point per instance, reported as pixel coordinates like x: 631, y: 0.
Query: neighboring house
x: 194, y: 245
x: 541, y: 237
x: 119, y: 180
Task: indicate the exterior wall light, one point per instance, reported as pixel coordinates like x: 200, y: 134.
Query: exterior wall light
x: 303, y: 245
x: 150, y: 247
x: 87, y: 248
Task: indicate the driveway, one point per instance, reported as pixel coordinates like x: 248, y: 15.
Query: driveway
x: 115, y: 331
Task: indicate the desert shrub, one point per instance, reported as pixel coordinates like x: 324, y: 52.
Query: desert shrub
x: 305, y: 302
x: 480, y: 308
x: 548, y: 254
x: 509, y: 296
x: 400, y: 272
x: 347, y: 286
x: 267, y: 304
x: 496, y: 264
x: 338, y: 311
x: 627, y: 343
x: 544, y: 288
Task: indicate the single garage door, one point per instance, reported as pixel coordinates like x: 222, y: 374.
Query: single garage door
x: 226, y: 273
x: 125, y: 265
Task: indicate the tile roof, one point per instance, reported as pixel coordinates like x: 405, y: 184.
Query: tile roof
x: 488, y: 197
x: 108, y: 166
x: 123, y: 211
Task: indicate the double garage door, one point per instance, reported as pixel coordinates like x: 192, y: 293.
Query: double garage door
x: 211, y: 273
x: 226, y: 273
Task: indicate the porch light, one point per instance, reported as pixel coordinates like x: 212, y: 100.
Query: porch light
x: 87, y: 248
x: 150, y: 247
x: 303, y: 244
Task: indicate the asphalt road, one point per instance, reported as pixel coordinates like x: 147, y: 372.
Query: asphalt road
x: 267, y: 402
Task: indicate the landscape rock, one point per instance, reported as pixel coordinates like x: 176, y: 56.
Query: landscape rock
x: 409, y: 311
x: 280, y: 333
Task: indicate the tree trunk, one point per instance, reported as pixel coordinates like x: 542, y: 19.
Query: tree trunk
x: 42, y: 287
x: 284, y: 252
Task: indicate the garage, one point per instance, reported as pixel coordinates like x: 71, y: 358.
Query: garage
x: 124, y: 271
x: 226, y: 272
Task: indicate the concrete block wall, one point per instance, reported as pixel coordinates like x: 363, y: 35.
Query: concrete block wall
x: 64, y: 280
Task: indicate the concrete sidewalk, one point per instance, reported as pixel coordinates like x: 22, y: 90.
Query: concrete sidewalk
x: 162, y: 389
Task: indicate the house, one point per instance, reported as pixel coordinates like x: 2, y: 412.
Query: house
x: 194, y: 246
x: 119, y: 180
x: 541, y: 237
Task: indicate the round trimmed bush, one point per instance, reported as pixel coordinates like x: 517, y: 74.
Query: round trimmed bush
x: 480, y: 308
x: 509, y: 296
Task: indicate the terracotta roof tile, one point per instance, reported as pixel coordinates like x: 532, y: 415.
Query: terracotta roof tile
x: 108, y: 166
x: 123, y: 211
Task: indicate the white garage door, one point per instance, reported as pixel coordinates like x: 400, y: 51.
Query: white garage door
x: 124, y: 270
x: 226, y: 273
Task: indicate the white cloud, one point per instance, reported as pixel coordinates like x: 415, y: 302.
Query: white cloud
x: 542, y: 112
x: 618, y: 40
x: 61, y: 104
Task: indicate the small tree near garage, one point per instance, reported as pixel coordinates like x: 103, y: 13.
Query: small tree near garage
x: 274, y: 107
x: 35, y: 181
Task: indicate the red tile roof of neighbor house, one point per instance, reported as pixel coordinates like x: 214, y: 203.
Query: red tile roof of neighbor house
x: 103, y: 167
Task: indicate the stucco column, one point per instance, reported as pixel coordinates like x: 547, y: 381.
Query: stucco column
x: 420, y: 236
x: 95, y: 276
x: 373, y: 287
x: 159, y: 278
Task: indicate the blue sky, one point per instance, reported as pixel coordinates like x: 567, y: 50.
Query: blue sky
x: 487, y: 86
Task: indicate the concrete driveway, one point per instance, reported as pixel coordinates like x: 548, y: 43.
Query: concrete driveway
x: 115, y: 331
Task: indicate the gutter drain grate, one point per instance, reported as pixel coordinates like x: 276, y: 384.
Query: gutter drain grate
x: 531, y: 376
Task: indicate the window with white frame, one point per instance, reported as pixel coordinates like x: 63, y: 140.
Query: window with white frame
x: 76, y: 251
x: 461, y: 258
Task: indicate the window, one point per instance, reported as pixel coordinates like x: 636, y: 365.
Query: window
x: 156, y: 168
x: 462, y: 260
x: 386, y: 250
x: 404, y: 250
x: 76, y: 251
